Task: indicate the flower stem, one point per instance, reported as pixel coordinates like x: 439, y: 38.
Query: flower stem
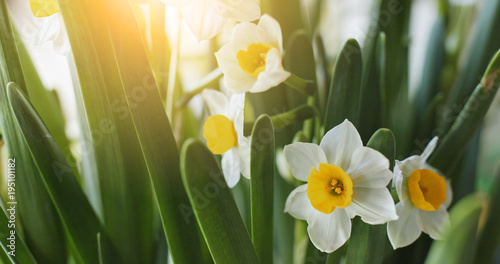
x: 301, y: 85
x: 298, y: 114
x: 174, y: 63
x: 206, y: 82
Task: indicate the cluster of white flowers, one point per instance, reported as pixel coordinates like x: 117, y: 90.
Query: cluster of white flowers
x: 343, y: 178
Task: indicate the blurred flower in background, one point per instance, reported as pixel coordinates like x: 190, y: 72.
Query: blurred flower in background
x: 251, y: 62
x: 206, y: 18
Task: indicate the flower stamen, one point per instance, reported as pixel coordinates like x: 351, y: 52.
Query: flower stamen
x: 253, y: 60
x: 328, y: 188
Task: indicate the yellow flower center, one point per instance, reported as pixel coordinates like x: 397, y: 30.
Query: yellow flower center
x: 427, y: 189
x: 220, y: 134
x: 328, y: 188
x: 253, y: 60
x: 44, y: 8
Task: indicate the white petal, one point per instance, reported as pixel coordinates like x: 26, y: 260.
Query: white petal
x: 61, y: 41
x: 244, y: 156
x: 273, y: 75
x: 405, y: 230
x: 216, y: 102
x: 272, y: 31
x: 235, y: 113
x: 49, y: 30
x: 302, y: 157
x: 245, y: 34
x: 298, y: 205
x: 241, y: 11
x: 369, y: 168
x: 402, y: 172
x: 231, y: 167
x: 340, y: 143
x: 202, y: 19
x: 328, y: 232
x: 176, y: 3
x: 433, y: 222
x: 428, y: 150
x: 374, y: 205
x: 235, y: 79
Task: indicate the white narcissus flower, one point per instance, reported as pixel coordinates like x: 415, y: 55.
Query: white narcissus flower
x: 46, y: 13
x: 251, y: 62
x: 424, y: 198
x: 223, y: 131
x: 206, y: 18
x: 344, y: 179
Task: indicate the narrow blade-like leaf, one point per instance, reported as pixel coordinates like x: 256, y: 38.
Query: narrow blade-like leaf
x: 214, y: 206
x: 262, y: 187
x: 72, y: 206
x: 345, y: 90
x: 460, y: 134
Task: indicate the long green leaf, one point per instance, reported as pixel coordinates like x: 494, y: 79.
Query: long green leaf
x: 483, y: 45
x: 459, y: 243
x: 262, y: 187
x: 367, y: 242
x: 72, y: 206
x: 372, y: 115
x: 429, y: 83
x: 299, y: 54
x: 345, y: 90
x: 214, y: 206
x: 155, y: 134
x: 37, y: 214
x: 7, y: 226
x: 125, y: 93
x: 460, y: 134
x: 45, y: 102
x: 489, y: 237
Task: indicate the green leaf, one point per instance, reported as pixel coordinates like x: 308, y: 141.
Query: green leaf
x: 459, y: 243
x: 469, y: 120
x: 345, y: 90
x: 483, y: 45
x: 45, y: 102
x: 489, y: 237
x: 383, y: 141
x: 367, y: 242
x: 82, y: 224
x: 22, y: 252
x: 118, y: 87
x: 430, y: 80
x: 299, y: 53
x: 262, y: 187
x: 4, y: 255
x: 214, y: 206
x: 373, y: 109
x: 41, y: 224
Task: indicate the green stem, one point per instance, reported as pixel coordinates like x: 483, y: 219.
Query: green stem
x: 301, y: 85
x: 298, y: 114
x: 209, y: 80
x: 174, y: 62
x: 309, y: 124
